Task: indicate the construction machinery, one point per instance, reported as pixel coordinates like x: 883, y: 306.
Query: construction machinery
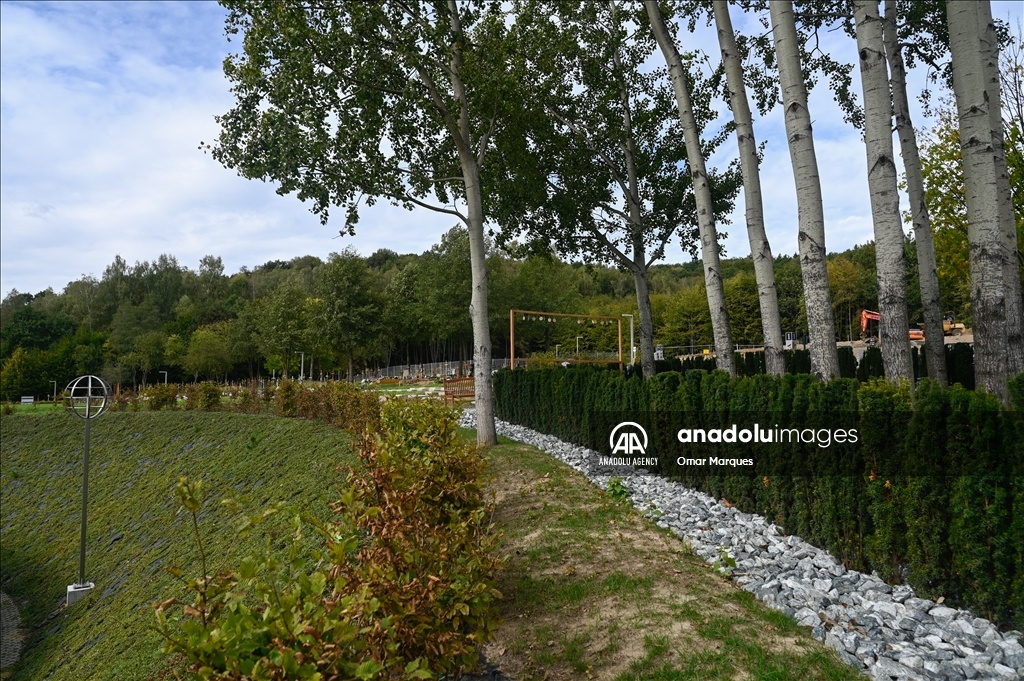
x: 950, y: 327
x: 871, y: 335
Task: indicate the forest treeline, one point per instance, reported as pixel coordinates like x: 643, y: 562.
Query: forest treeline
x: 351, y: 312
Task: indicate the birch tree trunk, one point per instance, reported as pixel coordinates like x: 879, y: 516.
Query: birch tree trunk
x: 643, y: 305
x: 724, y: 359
x: 1007, y: 221
x: 984, y: 237
x: 760, y: 250
x: 486, y: 433
x: 890, y: 257
x: 934, y: 343
x: 811, y: 241
x: 638, y: 266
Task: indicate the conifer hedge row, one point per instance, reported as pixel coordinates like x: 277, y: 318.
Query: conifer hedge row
x: 931, y: 494
x: 959, y: 363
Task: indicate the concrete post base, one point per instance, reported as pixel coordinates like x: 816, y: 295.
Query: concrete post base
x: 77, y: 592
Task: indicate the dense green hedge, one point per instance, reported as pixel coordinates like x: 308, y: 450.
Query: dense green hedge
x: 959, y: 364
x: 932, y: 493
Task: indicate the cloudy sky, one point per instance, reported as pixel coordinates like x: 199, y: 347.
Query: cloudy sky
x: 103, y: 107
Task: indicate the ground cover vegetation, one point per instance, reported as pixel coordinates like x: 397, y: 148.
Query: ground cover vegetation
x: 931, y: 494
x: 593, y: 589
x: 403, y: 548
x: 135, y: 530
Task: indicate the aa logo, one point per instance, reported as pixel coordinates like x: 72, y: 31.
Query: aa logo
x: 628, y: 438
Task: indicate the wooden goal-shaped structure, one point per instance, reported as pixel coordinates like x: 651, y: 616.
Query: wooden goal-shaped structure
x: 546, y: 316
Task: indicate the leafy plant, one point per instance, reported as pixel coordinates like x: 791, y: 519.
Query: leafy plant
x: 725, y: 563
x: 402, y: 588
x: 209, y: 396
x: 285, y: 397
x: 160, y: 396
x: 616, y: 490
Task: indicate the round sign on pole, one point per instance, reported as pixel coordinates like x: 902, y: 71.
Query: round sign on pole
x: 87, y: 398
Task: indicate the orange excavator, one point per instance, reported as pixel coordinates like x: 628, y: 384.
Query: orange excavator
x: 867, y: 316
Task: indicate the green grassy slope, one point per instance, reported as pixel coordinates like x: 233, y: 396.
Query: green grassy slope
x: 134, y: 530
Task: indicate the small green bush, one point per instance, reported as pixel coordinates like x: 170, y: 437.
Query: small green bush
x: 248, y: 398
x: 162, y: 396
x: 286, y: 398
x: 616, y: 490
x: 190, y: 392
x: 209, y: 396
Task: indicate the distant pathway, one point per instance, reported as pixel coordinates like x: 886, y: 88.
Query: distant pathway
x: 10, y: 635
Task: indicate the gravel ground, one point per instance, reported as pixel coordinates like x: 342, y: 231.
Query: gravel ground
x: 886, y: 632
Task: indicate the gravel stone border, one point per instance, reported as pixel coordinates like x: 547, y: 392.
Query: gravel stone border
x: 886, y: 632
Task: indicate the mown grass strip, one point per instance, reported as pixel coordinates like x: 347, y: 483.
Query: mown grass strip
x: 135, y: 532
x: 595, y: 590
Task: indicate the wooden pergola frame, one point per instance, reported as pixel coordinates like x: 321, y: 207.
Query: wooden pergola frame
x: 512, y: 332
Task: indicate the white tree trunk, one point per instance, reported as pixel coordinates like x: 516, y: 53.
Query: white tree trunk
x: 760, y: 250
x: 890, y: 257
x: 638, y: 266
x: 934, y: 344
x: 721, y: 331
x: 984, y: 238
x: 643, y: 303
x: 486, y: 434
x: 811, y: 241
x: 1007, y: 220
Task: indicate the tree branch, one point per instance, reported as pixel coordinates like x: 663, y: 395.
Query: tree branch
x: 436, y: 209
x: 592, y: 147
x: 659, y: 252
x: 616, y: 253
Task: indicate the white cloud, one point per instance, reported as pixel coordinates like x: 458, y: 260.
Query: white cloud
x: 103, y: 109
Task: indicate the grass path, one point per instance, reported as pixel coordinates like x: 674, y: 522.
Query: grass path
x: 593, y: 590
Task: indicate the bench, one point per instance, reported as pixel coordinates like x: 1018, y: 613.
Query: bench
x: 459, y: 389
x: 27, y: 400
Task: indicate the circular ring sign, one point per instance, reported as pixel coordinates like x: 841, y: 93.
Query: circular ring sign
x: 87, y: 397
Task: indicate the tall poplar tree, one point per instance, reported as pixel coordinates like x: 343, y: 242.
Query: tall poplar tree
x: 811, y: 239
x: 1007, y: 221
x: 984, y: 237
x: 349, y: 101
x: 890, y: 262
x: 709, y: 246
x: 760, y: 249
x: 931, y: 302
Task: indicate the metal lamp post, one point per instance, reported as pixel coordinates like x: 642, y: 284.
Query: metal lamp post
x: 302, y: 365
x: 87, y: 399
x: 578, y: 345
x: 632, y: 348
x: 54, y: 390
x: 557, y: 345
x: 165, y: 376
